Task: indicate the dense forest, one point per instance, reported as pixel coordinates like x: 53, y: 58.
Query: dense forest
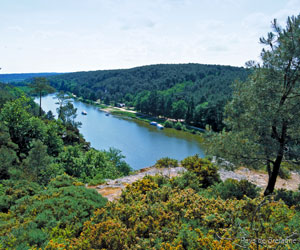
x: 193, y: 92
x: 15, y: 78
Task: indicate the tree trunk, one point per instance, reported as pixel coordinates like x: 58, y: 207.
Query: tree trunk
x: 276, y: 166
x: 40, y: 103
x: 274, y: 174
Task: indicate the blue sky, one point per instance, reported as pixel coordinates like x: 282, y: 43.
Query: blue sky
x: 73, y: 35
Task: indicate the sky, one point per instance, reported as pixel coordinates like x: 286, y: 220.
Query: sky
x: 83, y: 35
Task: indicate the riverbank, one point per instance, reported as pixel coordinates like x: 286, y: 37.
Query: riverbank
x: 147, y: 118
x: 130, y: 113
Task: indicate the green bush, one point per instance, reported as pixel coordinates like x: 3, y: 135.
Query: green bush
x: 97, y: 180
x: 64, y: 180
x: 13, y: 190
x: 166, y: 162
x: 206, y: 172
x: 178, y: 126
x: 187, y: 180
x: 51, y: 213
x: 230, y: 189
x: 168, y: 124
x: 291, y: 198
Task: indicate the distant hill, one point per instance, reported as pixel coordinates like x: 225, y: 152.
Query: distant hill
x: 194, y: 92
x: 9, y: 78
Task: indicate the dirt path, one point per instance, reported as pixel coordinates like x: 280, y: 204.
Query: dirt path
x: 112, y: 189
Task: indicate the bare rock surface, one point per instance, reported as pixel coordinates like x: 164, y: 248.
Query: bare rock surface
x: 112, y: 189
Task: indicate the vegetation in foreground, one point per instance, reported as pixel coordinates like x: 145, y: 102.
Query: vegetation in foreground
x: 193, y: 211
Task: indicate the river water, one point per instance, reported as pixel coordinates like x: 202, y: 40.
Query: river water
x: 141, y: 143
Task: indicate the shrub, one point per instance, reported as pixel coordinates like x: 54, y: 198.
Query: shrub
x: 168, y: 124
x: 63, y: 181
x: 178, y: 126
x: 171, y: 218
x: 52, y: 213
x: 204, y: 170
x: 142, y: 186
x: 13, y: 190
x: 290, y: 198
x: 166, y: 162
x: 187, y: 180
x: 97, y: 180
x: 231, y: 189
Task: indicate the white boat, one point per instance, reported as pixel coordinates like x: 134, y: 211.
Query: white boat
x: 153, y: 123
x: 84, y: 112
x: 159, y: 126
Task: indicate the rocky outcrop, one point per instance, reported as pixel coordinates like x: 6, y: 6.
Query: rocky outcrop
x: 112, y: 189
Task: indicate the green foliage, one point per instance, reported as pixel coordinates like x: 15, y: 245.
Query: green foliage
x: 16, y: 79
x: 166, y: 162
x: 15, y: 116
x: 179, y: 109
x: 187, y: 180
x: 178, y: 126
x: 115, y: 156
x: 231, y: 189
x: 103, y: 164
x: 37, y: 165
x: 206, y: 172
x: 158, y: 216
x: 48, y: 213
x: 64, y: 180
x: 168, y: 124
x: 14, y: 190
x: 7, y: 152
x: 291, y: 198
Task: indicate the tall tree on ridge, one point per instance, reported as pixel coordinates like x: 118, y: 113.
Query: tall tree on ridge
x: 40, y: 86
x: 264, y: 114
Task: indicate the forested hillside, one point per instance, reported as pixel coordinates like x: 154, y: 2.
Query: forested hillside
x: 13, y: 78
x: 194, y: 92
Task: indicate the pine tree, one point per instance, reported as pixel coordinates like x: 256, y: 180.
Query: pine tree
x: 264, y: 114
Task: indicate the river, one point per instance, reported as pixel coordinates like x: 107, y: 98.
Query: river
x: 141, y: 143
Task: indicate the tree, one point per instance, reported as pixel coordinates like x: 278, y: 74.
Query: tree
x: 7, y: 152
x: 264, y: 115
x: 37, y: 163
x: 179, y: 109
x: 189, y: 117
x: 39, y: 86
x: 66, y: 111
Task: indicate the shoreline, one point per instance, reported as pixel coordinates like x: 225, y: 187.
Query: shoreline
x: 139, y: 116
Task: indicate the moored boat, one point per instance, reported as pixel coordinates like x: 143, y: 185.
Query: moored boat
x: 84, y: 112
x: 159, y: 126
x: 153, y: 123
